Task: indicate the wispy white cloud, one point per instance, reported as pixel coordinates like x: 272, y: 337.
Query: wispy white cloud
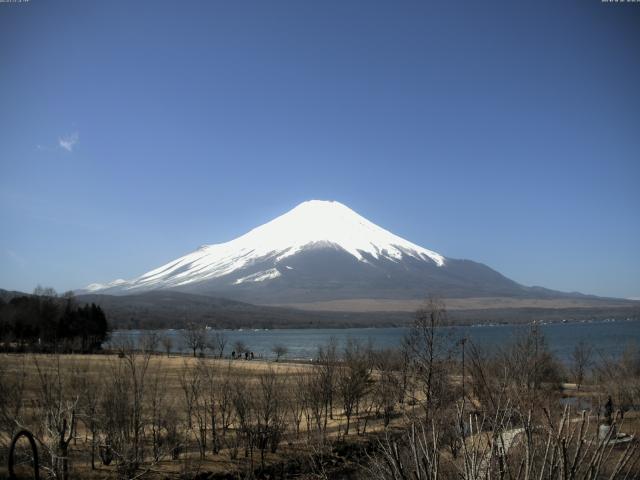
x: 68, y: 142
x: 15, y: 257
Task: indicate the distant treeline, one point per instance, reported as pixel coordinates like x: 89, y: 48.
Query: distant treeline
x: 46, y: 322
x: 158, y: 310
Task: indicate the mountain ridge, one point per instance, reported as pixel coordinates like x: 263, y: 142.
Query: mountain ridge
x: 322, y: 251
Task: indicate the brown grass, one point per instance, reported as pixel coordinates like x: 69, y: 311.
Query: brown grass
x: 170, y: 369
x: 477, y: 303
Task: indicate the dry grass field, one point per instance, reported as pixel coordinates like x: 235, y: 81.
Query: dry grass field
x: 172, y: 383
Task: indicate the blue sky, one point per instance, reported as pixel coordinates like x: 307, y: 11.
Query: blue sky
x: 504, y: 132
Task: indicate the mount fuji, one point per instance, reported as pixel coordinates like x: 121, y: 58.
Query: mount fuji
x: 317, y: 252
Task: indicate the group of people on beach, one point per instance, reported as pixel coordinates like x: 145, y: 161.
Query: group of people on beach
x: 247, y: 355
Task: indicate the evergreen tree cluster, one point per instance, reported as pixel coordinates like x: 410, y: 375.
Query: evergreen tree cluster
x: 46, y: 322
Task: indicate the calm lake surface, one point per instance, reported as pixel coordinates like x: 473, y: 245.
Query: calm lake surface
x: 607, y: 338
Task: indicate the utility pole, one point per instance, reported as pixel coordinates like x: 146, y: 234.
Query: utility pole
x: 462, y: 342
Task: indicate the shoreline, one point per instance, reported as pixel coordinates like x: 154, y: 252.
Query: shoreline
x: 609, y: 337
x: 383, y: 326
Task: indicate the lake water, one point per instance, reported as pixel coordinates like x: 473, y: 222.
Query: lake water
x: 607, y: 337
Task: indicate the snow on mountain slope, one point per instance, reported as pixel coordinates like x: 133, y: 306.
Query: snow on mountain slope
x: 312, y: 224
x: 94, y: 287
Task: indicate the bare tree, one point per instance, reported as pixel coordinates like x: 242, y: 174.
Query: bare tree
x: 12, y: 403
x: 488, y: 383
x: 212, y: 394
x: 136, y: 366
x: 415, y: 457
x: 240, y: 347
x: 123, y: 410
x: 225, y: 398
x: 279, y: 350
x: 387, y: 391
x: 581, y: 362
x: 150, y: 342
x: 190, y: 386
x: 217, y: 343
x: 316, y: 402
x: 167, y: 344
x: 194, y: 337
x: 531, y: 372
x: 58, y: 405
x: 298, y: 399
x: 115, y: 414
x: 201, y: 407
x: 159, y: 416
x: 89, y: 406
x: 354, y: 378
x: 556, y: 448
x: 428, y: 347
x: 41, y: 291
x: 620, y: 377
x: 270, y: 412
x: 327, y: 365
x: 244, y: 406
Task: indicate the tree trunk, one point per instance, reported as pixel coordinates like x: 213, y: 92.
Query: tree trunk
x: 214, y: 433
x: 93, y: 451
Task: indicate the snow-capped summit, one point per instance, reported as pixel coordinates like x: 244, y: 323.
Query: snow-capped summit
x: 318, y: 221
x: 317, y: 250
x: 311, y: 224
